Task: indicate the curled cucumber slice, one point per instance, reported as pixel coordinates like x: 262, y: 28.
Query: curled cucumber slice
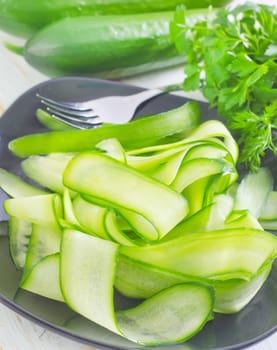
x: 113, y: 182
x: 41, y: 210
x: 219, y: 255
x: 43, y: 278
x: 87, y: 277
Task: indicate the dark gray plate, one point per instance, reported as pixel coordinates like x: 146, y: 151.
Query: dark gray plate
x: 257, y: 321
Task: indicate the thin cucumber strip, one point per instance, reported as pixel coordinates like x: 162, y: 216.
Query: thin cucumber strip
x: 207, y: 188
x: 44, y: 241
x: 223, y: 205
x: 47, y: 171
x: 218, y: 255
x: 167, y: 172
x: 41, y: 210
x: 136, y: 279
x: 207, y: 150
x: 143, y: 159
x: 112, y: 181
x: 44, y: 278
x: 233, y: 295
x: 216, y: 129
x: 172, y: 316
x: 112, y: 148
x: 217, y: 183
x: 242, y: 218
x: 14, y: 186
x: 95, y: 200
x: 179, y: 166
x: 114, y: 231
x: 138, y: 133
x: 253, y: 191
x: 50, y: 123
x: 90, y: 216
x: 196, y: 169
x: 61, y: 157
x: 147, y: 162
x: 195, y: 194
x: 194, y: 223
x: 123, y: 224
x: 151, y: 157
x: 269, y: 210
x: 87, y: 276
x: 19, y: 238
x: 210, y: 218
x: 69, y: 214
x: 138, y: 223
x: 268, y: 214
x: 207, y: 131
x: 224, y: 182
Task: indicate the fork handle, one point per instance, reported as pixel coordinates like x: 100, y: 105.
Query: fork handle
x: 148, y: 94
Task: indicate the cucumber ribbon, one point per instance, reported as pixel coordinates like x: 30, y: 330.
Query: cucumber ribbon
x: 163, y: 222
x: 170, y: 315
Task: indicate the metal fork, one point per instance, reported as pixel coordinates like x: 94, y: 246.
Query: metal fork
x: 92, y: 113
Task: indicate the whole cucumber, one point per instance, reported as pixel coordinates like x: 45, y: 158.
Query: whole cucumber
x: 104, y: 46
x: 24, y: 17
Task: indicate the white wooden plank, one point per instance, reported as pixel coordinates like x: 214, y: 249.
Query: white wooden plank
x: 18, y: 333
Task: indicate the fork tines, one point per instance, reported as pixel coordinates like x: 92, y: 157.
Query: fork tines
x: 71, y: 113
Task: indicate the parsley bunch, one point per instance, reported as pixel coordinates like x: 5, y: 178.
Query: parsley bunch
x: 231, y: 57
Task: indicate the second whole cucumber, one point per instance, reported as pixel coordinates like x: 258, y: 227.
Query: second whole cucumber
x: 25, y: 17
x: 105, y: 46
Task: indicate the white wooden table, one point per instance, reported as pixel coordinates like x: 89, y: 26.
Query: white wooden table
x: 16, y: 332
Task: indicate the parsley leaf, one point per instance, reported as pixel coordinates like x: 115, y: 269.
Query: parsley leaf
x: 231, y: 57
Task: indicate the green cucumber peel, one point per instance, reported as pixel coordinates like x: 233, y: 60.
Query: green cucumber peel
x: 51, y: 123
x: 135, y: 134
